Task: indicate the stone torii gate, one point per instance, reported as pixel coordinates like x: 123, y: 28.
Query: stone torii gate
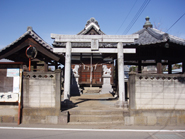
x: 95, y: 40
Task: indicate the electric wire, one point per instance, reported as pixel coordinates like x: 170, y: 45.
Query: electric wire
x: 142, y: 8
x: 140, y: 11
x: 126, y: 16
x: 175, y: 22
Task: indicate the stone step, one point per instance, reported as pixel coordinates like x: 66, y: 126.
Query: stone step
x: 91, y: 90
x: 96, y: 118
x: 96, y: 112
x: 97, y: 123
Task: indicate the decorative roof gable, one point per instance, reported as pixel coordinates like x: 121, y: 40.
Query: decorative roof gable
x: 91, y: 28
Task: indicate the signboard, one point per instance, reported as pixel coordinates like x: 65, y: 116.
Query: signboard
x: 9, y: 97
x: 16, y: 84
x: 12, y: 72
x: 15, y: 74
x: 12, y: 96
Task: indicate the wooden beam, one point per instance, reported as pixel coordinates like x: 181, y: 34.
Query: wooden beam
x: 15, y: 49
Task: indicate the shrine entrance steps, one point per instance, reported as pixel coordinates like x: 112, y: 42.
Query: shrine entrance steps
x: 93, y: 108
x: 91, y: 90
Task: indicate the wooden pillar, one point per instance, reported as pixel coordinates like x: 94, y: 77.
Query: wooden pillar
x: 139, y: 67
x: 56, y: 65
x: 159, y: 67
x: 46, y: 66
x: 34, y: 66
x: 183, y: 67
x: 159, y: 60
x: 169, y: 68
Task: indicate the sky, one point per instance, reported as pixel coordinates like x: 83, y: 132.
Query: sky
x: 70, y: 16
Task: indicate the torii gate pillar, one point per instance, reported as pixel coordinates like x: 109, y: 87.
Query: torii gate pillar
x: 121, y: 82
x: 67, y: 76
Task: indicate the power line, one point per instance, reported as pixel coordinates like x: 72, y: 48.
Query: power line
x: 175, y: 22
x: 126, y: 17
x: 140, y: 11
x: 142, y: 8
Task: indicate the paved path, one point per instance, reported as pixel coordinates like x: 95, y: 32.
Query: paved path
x: 94, y: 101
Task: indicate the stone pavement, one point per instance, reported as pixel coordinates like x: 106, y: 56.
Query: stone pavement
x: 94, y: 101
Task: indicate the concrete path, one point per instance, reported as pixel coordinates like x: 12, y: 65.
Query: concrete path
x: 94, y: 102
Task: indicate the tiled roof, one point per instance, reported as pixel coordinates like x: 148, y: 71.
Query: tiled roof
x: 36, y: 37
x: 149, y: 36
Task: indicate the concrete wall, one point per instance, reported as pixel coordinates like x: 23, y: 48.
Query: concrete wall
x: 42, y: 98
x: 39, y: 90
x: 155, y: 118
x: 157, y: 91
x: 9, y: 113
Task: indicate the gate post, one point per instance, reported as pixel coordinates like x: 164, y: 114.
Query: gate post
x: 121, y: 81
x: 67, y: 76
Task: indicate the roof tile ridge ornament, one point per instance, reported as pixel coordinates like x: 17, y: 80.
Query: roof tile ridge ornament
x: 166, y: 36
x: 147, y: 23
x: 91, y: 23
x: 29, y: 28
x: 92, y: 20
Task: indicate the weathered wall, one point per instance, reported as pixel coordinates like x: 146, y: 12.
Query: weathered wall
x: 157, y: 91
x: 8, y: 112
x: 155, y: 118
x: 42, y: 97
x: 39, y: 90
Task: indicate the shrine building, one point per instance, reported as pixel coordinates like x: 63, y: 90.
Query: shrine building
x: 97, y: 64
